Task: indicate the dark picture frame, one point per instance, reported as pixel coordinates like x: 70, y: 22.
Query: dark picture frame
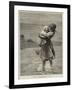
x: 12, y: 39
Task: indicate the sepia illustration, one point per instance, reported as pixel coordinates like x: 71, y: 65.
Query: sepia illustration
x: 40, y: 43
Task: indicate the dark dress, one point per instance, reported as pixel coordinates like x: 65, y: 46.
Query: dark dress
x: 47, y: 51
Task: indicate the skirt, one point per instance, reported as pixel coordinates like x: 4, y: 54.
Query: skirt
x: 46, y: 51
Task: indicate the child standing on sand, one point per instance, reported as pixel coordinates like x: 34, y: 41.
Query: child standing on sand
x: 47, y: 52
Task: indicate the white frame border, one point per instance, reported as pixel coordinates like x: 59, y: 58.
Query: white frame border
x: 57, y: 78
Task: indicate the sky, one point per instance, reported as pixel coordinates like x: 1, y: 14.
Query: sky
x: 32, y: 22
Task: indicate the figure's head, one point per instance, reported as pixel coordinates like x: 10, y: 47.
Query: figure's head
x: 52, y: 27
x: 45, y: 28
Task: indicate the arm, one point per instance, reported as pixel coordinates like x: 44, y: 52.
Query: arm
x: 42, y: 35
x: 46, y: 35
x: 49, y: 35
x: 53, y: 51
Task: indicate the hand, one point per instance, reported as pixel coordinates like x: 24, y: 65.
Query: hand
x: 53, y: 56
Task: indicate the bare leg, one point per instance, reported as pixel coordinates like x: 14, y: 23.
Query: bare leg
x: 51, y: 63
x: 43, y: 65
